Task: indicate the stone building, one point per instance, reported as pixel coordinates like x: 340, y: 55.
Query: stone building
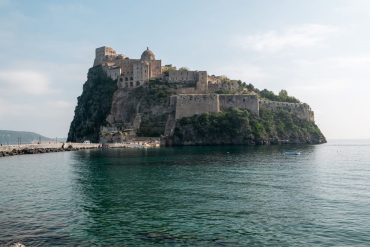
x: 200, y: 78
x: 130, y: 73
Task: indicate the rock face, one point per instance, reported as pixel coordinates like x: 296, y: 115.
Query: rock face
x: 93, y: 106
x: 143, y: 109
x: 17, y: 245
x: 237, y: 127
x: 107, y: 113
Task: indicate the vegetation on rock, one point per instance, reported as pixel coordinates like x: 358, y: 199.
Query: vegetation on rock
x: 236, y: 126
x: 93, y: 106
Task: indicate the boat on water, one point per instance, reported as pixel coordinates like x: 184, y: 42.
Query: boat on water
x: 292, y: 153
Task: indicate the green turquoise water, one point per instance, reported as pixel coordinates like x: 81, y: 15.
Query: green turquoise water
x: 190, y: 196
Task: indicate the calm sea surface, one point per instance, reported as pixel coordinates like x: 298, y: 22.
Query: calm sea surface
x: 190, y: 196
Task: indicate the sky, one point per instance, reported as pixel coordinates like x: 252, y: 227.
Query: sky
x: 319, y: 51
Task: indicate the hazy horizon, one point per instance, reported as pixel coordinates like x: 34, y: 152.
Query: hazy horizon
x: 318, y: 51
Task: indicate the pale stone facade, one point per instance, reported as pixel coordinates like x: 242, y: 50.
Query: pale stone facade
x: 130, y: 73
x: 199, y: 77
x: 104, y: 54
x: 187, y: 105
x: 246, y: 102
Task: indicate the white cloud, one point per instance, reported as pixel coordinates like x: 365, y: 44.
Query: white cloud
x: 25, y: 81
x: 307, y: 35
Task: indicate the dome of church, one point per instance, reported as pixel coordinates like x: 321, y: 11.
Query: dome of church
x: 147, y: 55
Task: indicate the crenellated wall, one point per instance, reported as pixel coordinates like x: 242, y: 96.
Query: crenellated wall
x: 231, y: 86
x: 187, y: 105
x: 248, y: 102
x: 302, y: 111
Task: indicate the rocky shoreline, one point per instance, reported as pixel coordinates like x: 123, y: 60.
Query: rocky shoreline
x: 11, y: 150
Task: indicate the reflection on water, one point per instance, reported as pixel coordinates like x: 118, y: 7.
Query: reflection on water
x: 191, y: 196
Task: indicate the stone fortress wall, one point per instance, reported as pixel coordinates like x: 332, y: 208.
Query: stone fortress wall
x: 242, y: 101
x: 199, y: 77
x: 187, y: 105
x: 301, y: 110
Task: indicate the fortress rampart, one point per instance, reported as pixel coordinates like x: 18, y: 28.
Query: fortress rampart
x: 302, y: 111
x: 199, y: 77
x: 248, y: 102
x: 187, y: 105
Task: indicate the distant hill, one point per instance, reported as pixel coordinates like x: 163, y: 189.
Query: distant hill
x: 25, y: 137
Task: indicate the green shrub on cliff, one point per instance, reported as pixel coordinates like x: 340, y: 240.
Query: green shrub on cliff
x: 270, y: 95
x: 93, y: 106
x: 242, y: 127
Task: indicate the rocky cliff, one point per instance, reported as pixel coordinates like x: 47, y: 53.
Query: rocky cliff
x: 93, y: 106
x: 107, y: 113
x: 236, y: 126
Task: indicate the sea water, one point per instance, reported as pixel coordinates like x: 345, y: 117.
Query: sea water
x: 189, y: 196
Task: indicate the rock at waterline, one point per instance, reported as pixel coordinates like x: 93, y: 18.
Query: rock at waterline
x: 17, y: 245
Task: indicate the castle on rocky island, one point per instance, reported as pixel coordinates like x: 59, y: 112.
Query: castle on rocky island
x: 195, y: 93
x: 200, y: 98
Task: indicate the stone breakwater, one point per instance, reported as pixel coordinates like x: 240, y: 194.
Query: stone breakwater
x: 10, y: 150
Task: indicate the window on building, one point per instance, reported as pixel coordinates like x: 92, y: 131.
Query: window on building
x: 120, y: 79
x: 126, y: 79
x: 131, y: 84
x: 137, y: 83
x: 126, y: 84
x: 131, y: 78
